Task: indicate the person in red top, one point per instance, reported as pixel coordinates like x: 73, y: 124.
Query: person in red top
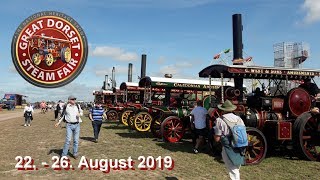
x: 43, y: 107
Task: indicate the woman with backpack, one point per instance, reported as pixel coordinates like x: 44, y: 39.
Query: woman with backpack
x: 231, y: 132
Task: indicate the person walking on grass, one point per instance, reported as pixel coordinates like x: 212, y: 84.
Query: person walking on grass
x: 199, y: 115
x: 232, y: 153
x: 96, y: 116
x: 71, y: 114
x: 28, y: 110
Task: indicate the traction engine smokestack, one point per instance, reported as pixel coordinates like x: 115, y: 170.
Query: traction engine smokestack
x: 105, y: 82
x: 237, y: 50
x: 143, y: 65
x: 130, y: 72
x: 143, y: 74
x: 113, y: 77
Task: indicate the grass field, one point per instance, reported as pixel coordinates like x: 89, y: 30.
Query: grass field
x: 41, y: 141
x: 5, y: 111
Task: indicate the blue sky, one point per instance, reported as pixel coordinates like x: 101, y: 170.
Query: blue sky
x: 179, y: 36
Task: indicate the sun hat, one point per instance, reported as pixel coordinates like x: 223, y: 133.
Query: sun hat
x: 227, y: 106
x: 71, y: 97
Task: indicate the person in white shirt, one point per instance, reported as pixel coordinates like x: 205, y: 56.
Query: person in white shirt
x: 71, y: 113
x: 28, y: 110
x: 199, y: 116
x: 223, y: 133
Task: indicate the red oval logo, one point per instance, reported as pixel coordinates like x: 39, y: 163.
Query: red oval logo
x: 49, y: 49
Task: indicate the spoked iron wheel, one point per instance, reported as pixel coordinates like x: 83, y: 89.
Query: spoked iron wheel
x: 36, y: 58
x: 142, y: 121
x: 257, y: 146
x: 125, y: 116
x: 112, y: 115
x: 307, y: 130
x: 172, y: 129
x: 49, y: 59
x: 156, y: 127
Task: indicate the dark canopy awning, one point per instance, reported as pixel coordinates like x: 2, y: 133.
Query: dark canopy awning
x: 257, y: 72
x: 145, y: 81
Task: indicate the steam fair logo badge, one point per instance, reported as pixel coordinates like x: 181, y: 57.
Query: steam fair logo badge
x: 49, y: 49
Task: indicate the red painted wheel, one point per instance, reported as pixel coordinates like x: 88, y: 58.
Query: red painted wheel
x: 307, y: 131
x: 112, y: 115
x: 172, y: 129
x: 257, y: 146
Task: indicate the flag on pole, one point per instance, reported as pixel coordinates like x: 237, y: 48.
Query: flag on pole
x: 226, y: 51
x: 216, y: 56
x: 248, y: 59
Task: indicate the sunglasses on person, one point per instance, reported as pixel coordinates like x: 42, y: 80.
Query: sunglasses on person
x: 73, y: 99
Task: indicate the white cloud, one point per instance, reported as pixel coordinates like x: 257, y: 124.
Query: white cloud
x: 184, y: 64
x: 115, y: 53
x: 119, y: 70
x: 312, y: 8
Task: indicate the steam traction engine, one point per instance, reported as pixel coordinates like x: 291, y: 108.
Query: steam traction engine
x: 49, y: 49
x: 281, y: 120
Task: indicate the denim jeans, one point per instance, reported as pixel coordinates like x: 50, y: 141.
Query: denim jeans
x: 96, y: 128
x: 72, y: 130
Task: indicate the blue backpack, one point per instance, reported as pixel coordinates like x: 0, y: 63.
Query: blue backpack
x: 239, y: 138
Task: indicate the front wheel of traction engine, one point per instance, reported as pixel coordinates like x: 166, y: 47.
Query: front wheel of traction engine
x: 142, y: 121
x: 49, y: 59
x: 257, y: 146
x: 172, y: 129
x: 112, y: 115
x: 125, y: 116
x: 36, y: 58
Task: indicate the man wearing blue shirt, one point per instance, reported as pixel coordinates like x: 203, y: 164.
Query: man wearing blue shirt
x: 96, y: 116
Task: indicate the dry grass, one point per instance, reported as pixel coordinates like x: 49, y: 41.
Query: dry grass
x: 41, y: 141
x: 6, y: 111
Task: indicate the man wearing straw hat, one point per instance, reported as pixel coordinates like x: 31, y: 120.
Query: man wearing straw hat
x: 233, y: 159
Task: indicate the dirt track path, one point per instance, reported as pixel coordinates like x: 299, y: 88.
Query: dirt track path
x: 7, y: 116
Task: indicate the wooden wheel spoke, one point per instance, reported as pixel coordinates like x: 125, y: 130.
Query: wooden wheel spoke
x: 178, y: 125
x: 178, y: 135
x: 306, y: 137
x: 255, y: 153
x: 256, y: 142
x: 249, y: 156
x: 257, y: 147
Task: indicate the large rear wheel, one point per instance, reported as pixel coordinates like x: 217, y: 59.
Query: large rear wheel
x: 307, y: 135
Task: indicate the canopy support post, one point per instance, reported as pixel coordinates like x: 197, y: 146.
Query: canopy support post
x: 210, y: 105
x: 222, y: 89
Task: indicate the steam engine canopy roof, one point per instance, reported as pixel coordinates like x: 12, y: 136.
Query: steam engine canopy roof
x: 160, y: 82
x: 257, y: 72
